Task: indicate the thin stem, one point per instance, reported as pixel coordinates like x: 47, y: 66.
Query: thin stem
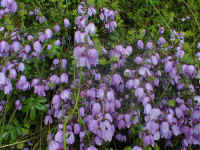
x: 73, y: 111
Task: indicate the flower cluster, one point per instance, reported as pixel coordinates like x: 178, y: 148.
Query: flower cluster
x: 148, y: 86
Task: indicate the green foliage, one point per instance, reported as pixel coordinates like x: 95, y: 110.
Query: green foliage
x: 32, y: 105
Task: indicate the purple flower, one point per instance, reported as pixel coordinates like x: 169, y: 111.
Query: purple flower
x: 107, y: 130
x: 4, y: 47
x: 90, y: 28
x: 149, y: 45
x: 148, y: 140
x: 59, y: 137
x: 128, y: 50
x: 139, y: 92
x: 91, y: 11
x: 64, y: 78
x: 56, y: 28
x: 65, y: 95
x: 23, y: 84
x: 12, y: 74
x: 96, y: 108
x: 64, y: 63
x: 92, y: 148
x: 161, y: 41
x: 21, y: 67
x: 57, y: 43
x: 18, y: 105
x: 77, y: 128
x: 54, y: 146
x: 48, y: 120
x: 56, y: 101
x: 55, y: 79
x: 37, y: 46
x: 93, y: 57
x: 198, y: 45
x: 136, y: 148
x: 2, y: 79
x: 66, y: 23
x: 48, y: 33
x: 71, y: 138
x: 16, y: 46
x: 42, y: 37
x: 164, y: 130
x: 79, y: 37
x: 130, y: 84
x: 140, y: 44
x: 27, y: 48
x: 116, y: 79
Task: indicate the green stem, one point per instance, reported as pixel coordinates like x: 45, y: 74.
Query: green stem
x: 73, y: 111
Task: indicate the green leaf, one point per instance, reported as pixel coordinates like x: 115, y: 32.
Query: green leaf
x: 32, y: 114
x: 172, y: 103
x: 91, y: 2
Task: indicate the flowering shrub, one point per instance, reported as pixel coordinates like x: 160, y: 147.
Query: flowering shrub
x: 83, y: 75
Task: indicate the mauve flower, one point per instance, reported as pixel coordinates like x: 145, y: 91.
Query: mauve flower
x: 149, y: 45
x: 59, y: 137
x: 71, y: 138
x: 79, y: 37
x: 112, y: 26
x: 77, y: 128
x: 139, y: 92
x: 140, y: 44
x: 42, y: 37
x: 96, y: 108
x: 92, y: 148
x: 130, y: 84
x: 116, y: 79
x: 180, y: 53
x: 48, y: 120
x: 12, y: 74
x: 8, y: 88
x: 136, y: 83
x: 81, y: 9
x: 164, y: 130
x: 64, y: 63
x: 90, y: 28
x: 23, y: 84
x: 27, y: 48
x: 161, y: 41
x: 30, y: 37
x: 138, y: 60
x: 21, y: 67
x: 2, y: 79
x: 107, y: 130
x: 148, y: 140
x: 155, y: 113
x: 128, y: 50
x: 136, y: 148
x: 93, y: 57
x: 57, y: 43
x: 55, y: 79
x: 81, y: 21
x: 64, y: 78
x: 48, y: 33
x: 37, y: 46
x: 66, y: 23
x: 91, y: 11
x: 98, y: 141
x: 198, y: 45
x: 16, y: 46
x: 54, y: 146
x: 56, y: 101
x: 18, y: 105
x: 65, y: 95
x: 56, y: 28
x: 4, y: 46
